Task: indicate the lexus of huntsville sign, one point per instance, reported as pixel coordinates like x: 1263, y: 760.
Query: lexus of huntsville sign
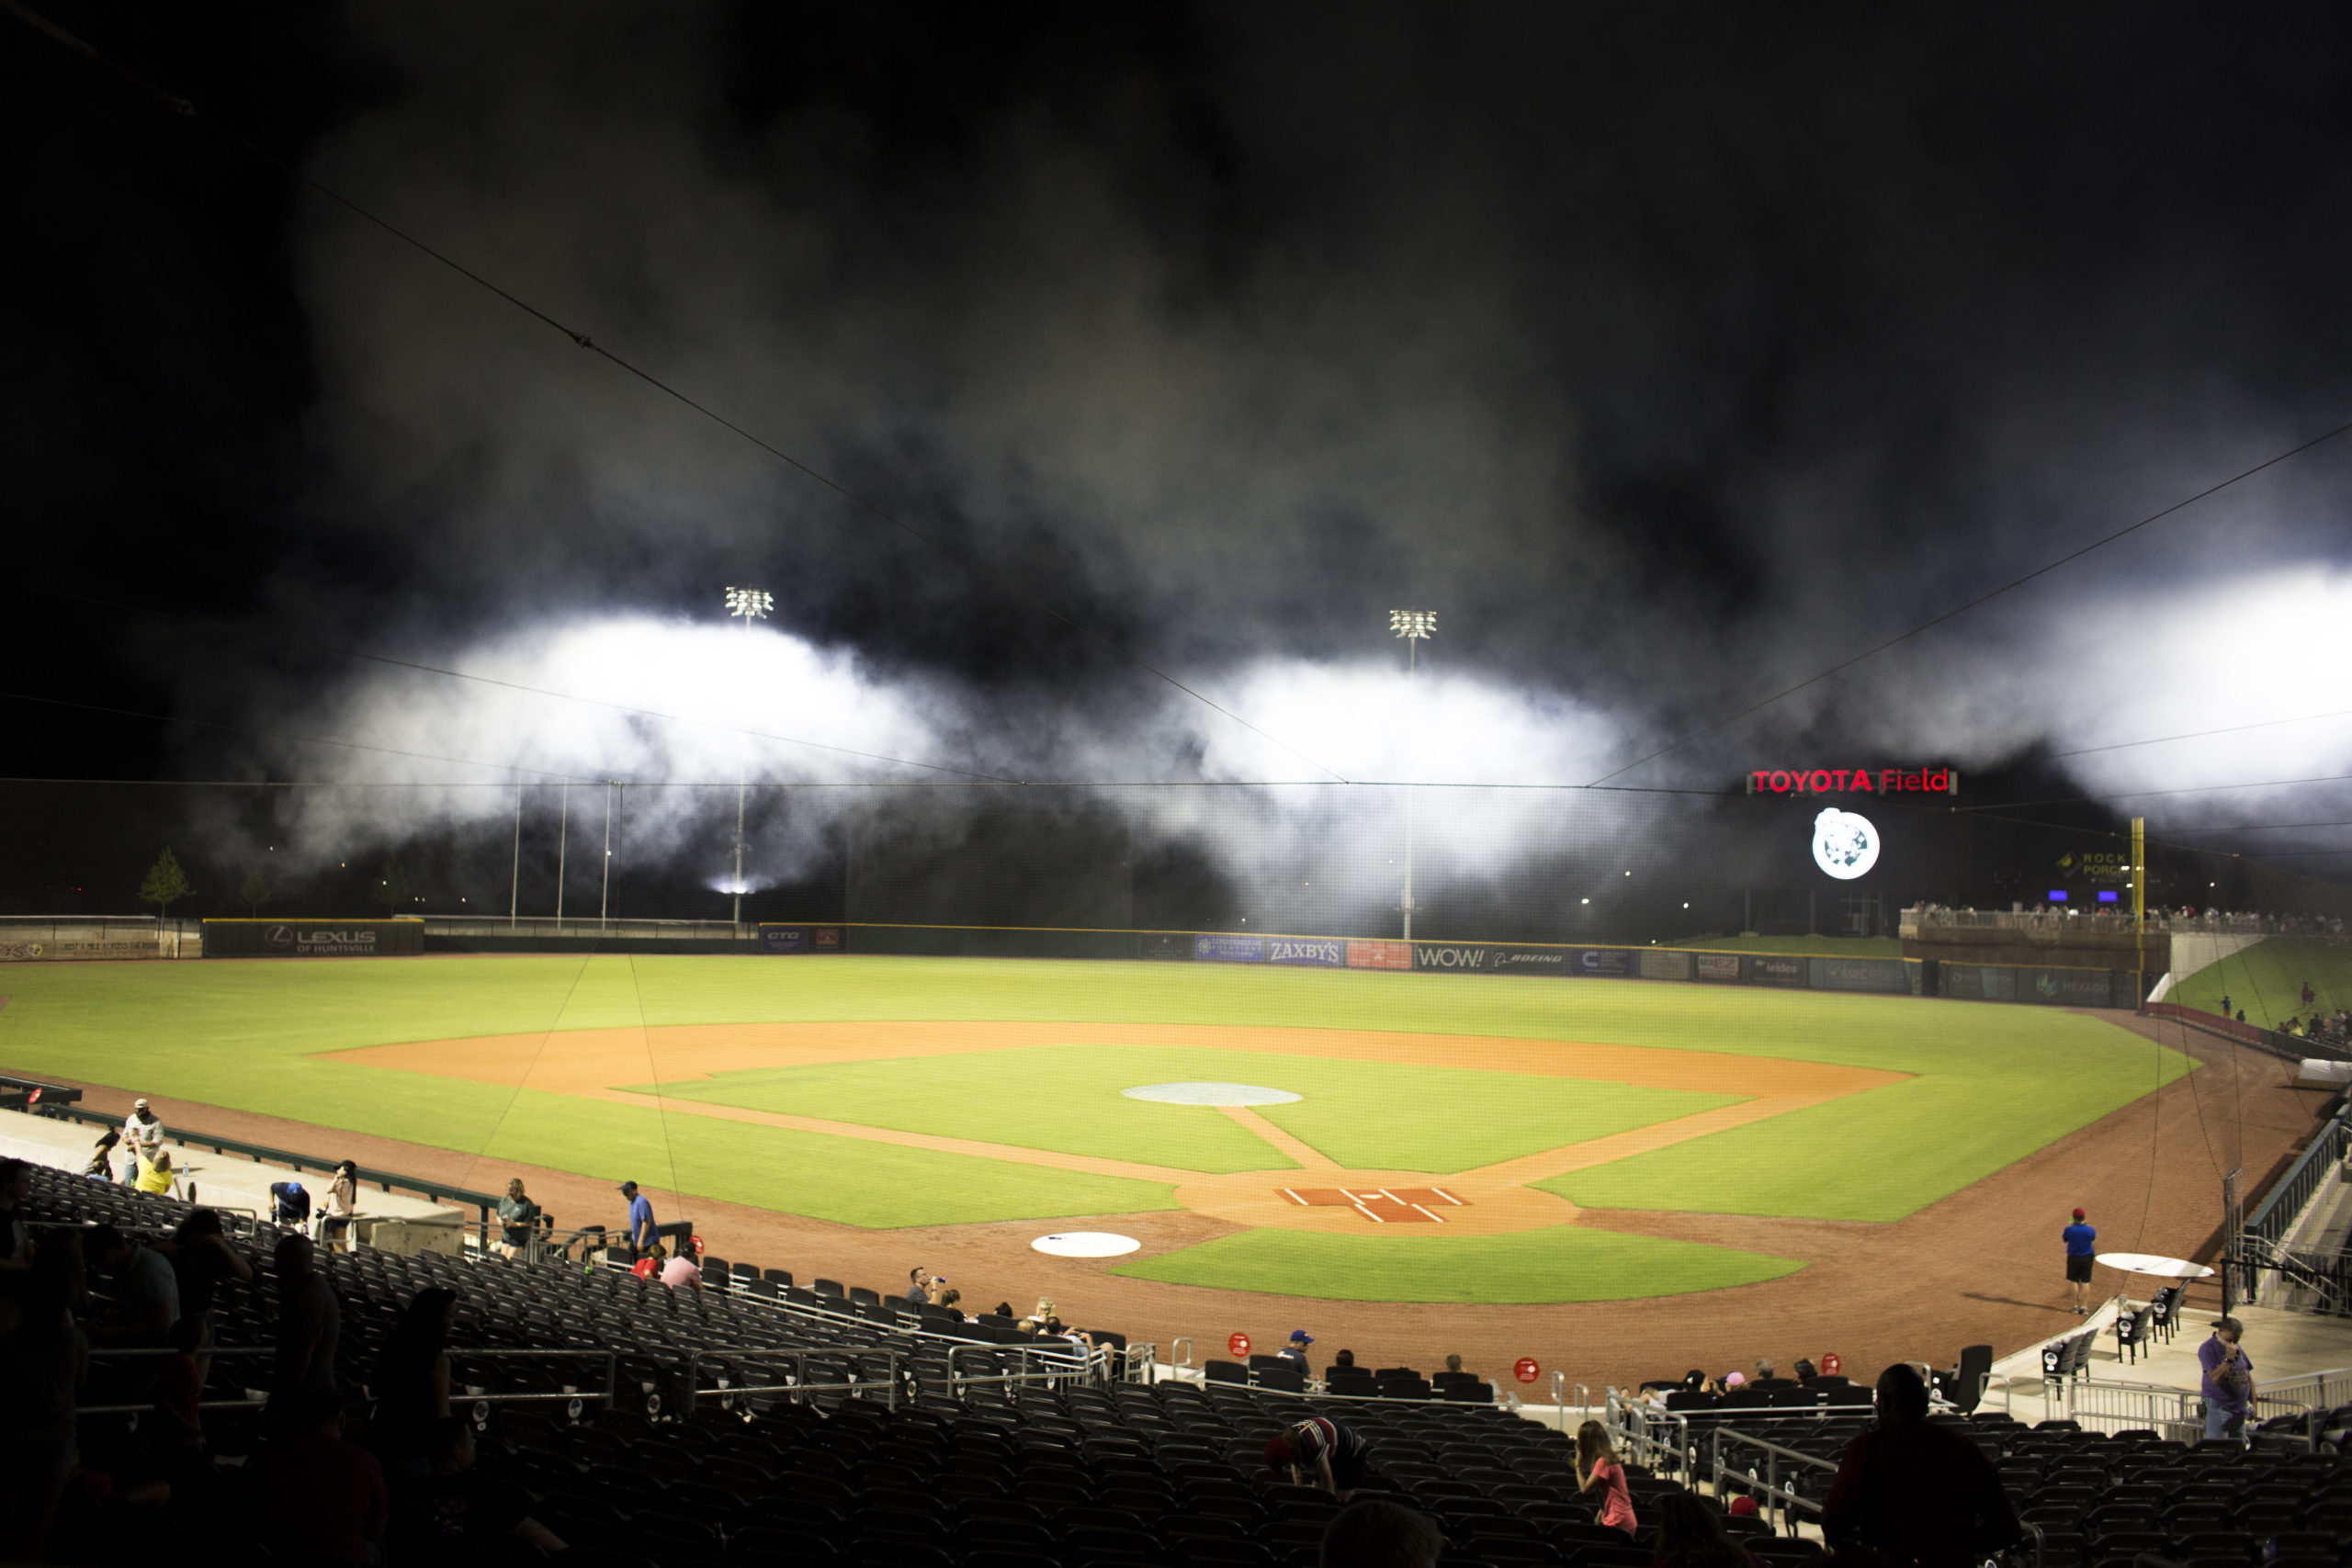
x: 1853, y: 781
x: 313, y: 938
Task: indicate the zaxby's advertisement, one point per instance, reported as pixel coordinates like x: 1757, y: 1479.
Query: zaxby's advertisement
x: 313, y: 938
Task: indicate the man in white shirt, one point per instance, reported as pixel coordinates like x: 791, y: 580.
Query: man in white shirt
x: 142, y: 1134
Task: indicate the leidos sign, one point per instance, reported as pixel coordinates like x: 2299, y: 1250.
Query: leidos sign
x: 1853, y: 781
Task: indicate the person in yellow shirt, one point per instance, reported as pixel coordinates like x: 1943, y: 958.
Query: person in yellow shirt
x: 156, y: 1173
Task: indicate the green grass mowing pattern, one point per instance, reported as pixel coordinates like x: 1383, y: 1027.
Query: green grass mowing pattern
x: 2266, y: 979
x: 1365, y: 1115
x: 1564, y: 1263
x: 2005, y: 1080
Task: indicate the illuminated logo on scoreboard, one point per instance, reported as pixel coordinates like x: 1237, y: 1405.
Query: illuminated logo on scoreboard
x: 1853, y: 781
x: 1845, y: 844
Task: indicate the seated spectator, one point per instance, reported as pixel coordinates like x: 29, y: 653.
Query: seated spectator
x: 517, y: 1218
x: 146, y: 1296
x: 44, y: 1357
x: 648, y: 1266
x: 156, y: 1172
x: 457, y: 1514
x: 953, y: 1301
x: 1295, y: 1353
x: 1602, y: 1480
x: 101, y: 1165
x: 1454, y: 1363
x: 1004, y: 1309
x: 682, y: 1273
x: 1690, y: 1534
x: 1375, y: 1534
x: 411, y: 1383
x: 1766, y: 1376
x: 310, y: 1326
x: 323, y: 1500
x: 918, y: 1286
x: 1916, y: 1492
x: 203, y: 1261
x: 1344, y: 1358
x: 1807, y: 1373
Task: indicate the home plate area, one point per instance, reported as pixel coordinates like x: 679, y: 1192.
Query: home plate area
x: 1381, y: 1205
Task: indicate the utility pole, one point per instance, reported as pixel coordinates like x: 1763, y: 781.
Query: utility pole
x: 1413, y: 625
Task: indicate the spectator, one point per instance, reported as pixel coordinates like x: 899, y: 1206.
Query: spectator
x: 324, y: 1498
x: 2082, y: 1250
x: 202, y: 1260
x: 16, y: 1192
x: 411, y: 1384
x: 1344, y: 1358
x: 1765, y: 1373
x: 682, y: 1272
x: 1295, y: 1353
x: 1601, y: 1478
x: 918, y: 1286
x: 342, y: 1206
x: 2228, y: 1382
x: 517, y: 1218
x: 1335, y: 1454
x: 310, y: 1323
x: 641, y: 1228
x: 455, y: 1514
x: 1004, y: 1309
x: 1454, y: 1363
x: 44, y: 1357
x: 1914, y: 1492
x: 1374, y: 1534
x: 143, y: 1136
x: 101, y: 1164
x: 953, y: 1299
x: 1807, y: 1373
x: 156, y: 1172
x: 650, y: 1265
x: 289, y: 1205
x: 146, y: 1296
x: 1690, y: 1534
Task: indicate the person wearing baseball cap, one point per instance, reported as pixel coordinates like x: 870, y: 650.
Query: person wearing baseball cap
x: 1295, y: 1353
x: 642, y: 1235
x: 144, y: 1135
x: 2082, y: 1244
x: 2228, y: 1383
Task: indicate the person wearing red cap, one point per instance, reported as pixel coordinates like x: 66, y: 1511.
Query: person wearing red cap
x: 2082, y: 1244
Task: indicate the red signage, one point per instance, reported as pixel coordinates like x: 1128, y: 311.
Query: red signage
x: 1238, y: 1346
x: 1831, y: 1365
x: 1853, y: 781
x: 1526, y: 1369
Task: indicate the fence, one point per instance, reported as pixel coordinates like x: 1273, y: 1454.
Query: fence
x: 2261, y: 1243
x: 1776, y: 1485
x: 2178, y: 1414
x: 50, y: 939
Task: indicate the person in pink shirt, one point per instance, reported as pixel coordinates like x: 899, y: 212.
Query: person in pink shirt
x: 681, y: 1271
x: 1601, y: 1478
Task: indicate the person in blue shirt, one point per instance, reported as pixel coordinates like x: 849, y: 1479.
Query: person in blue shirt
x: 2082, y: 1241
x: 642, y: 1232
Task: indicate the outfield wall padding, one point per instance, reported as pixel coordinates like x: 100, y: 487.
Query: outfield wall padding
x: 313, y: 939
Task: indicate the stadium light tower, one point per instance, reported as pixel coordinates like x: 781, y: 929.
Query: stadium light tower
x: 1413, y: 625
x: 750, y: 605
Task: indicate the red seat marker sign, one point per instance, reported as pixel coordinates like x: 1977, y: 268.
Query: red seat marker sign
x: 1526, y: 1369
x: 1853, y: 781
x: 1238, y: 1346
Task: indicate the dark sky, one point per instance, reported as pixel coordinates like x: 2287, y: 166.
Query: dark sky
x: 1671, y: 354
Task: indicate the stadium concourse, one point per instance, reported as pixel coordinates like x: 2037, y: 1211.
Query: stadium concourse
x: 1982, y: 1265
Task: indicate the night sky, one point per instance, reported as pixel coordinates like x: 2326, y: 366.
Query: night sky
x: 1671, y: 355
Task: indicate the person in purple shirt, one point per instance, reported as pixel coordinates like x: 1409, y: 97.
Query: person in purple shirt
x: 2228, y: 1383
x: 2082, y: 1244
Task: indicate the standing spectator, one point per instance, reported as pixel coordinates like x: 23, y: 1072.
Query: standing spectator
x: 918, y: 1286
x: 2082, y: 1246
x: 342, y: 1206
x: 309, y: 1323
x: 1690, y: 1534
x: 412, y: 1384
x: 1374, y: 1534
x: 16, y: 1192
x: 641, y: 1234
x: 1600, y: 1478
x: 1295, y: 1353
x: 2228, y: 1382
x: 2225, y: 1004
x: 1914, y: 1492
x: 203, y: 1261
x: 146, y: 1296
x: 517, y: 1218
x: 682, y: 1272
x: 1334, y: 1453
x: 101, y: 1165
x: 43, y: 1359
x: 326, y: 1499
x: 142, y: 1135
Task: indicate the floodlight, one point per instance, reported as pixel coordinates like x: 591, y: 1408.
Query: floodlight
x: 1412, y: 624
x: 749, y: 603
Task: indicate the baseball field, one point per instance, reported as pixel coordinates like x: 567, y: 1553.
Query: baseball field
x: 1353, y: 1135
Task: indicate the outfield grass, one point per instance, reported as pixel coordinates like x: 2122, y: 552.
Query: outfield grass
x: 1990, y: 1084
x: 2266, y: 979
x: 1365, y: 1115
x: 1566, y: 1263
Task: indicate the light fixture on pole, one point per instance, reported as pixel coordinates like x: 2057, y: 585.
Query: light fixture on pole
x: 1413, y: 625
x: 750, y: 605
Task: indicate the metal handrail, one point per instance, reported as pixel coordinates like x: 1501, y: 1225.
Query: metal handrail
x: 1784, y: 1499
x: 612, y: 1359
x: 798, y: 1386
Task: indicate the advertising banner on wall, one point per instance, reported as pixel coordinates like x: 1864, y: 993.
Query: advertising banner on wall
x: 2068, y: 987
x: 1661, y: 965
x: 1175, y: 946
x: 313, y: 938
x: 800, y: 939
x: 1314, y: 951
x: 1886, y: 974
x: 1362, y: 954
x: 41, y: 950
x: 1600, y: 961
x: 1772, y: 969
x: 1230, y: 949
x: 1717, y: 967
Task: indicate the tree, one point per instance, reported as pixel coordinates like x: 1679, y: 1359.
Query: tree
x: 165, y: 883
x: 392, y: 886
x: 254, y: 893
